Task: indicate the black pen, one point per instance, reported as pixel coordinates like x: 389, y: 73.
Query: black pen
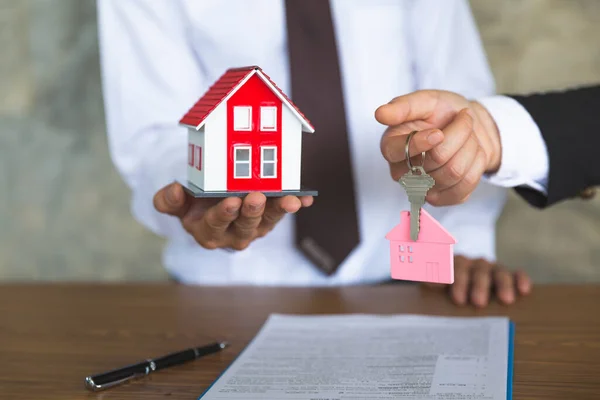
x: 121, y: 375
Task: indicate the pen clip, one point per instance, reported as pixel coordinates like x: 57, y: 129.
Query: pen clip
x: 91, y: 385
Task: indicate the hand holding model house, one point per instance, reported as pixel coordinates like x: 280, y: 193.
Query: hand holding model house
x: 232, y: 222
x: 244, y: 162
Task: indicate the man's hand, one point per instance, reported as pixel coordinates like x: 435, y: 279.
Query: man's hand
x: 230, y: 222
x: 476, y: 281
x: 460, y: 137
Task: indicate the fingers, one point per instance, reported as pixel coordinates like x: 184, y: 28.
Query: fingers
x: 476, y: 280
x: 461, y: 191
x: 505, y: 285
x: 417, y: 105
x: 210, y: 231
x: 275, y: 210
x: 450, y: 159
x: 244, y: 227
x: 481, y: 283
x: 397, y: 169
x: 273, y: 214
x: 199, y: 207
x: 394, y: 139
x: 172, y: 200
x: 456, y: 135
x: 456, y: 168
x: 231, y: 222
x: 460, y: 287
x: 509, y: 285
x: 306, y: 201
x: 290, y: 204
x: 453, y: 155
x: 524, y: 283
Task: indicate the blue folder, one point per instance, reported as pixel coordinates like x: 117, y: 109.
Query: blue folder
x: 511, y: 356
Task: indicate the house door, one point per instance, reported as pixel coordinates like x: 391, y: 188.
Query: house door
x: 432, y: 271
x: 254, y: 138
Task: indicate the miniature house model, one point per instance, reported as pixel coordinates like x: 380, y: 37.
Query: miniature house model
x: 428, y: 259
x: 244, y: 135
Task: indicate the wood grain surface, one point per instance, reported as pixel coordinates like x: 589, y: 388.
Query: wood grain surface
x: 52, y: 336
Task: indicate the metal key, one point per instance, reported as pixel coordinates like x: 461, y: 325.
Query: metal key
x: 416, y: 186
x: 416, y: 182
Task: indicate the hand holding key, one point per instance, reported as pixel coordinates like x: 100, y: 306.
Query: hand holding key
x: 459, y: 136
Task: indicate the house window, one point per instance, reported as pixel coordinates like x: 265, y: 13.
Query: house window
x: 409, y: 259
x: 198, y: 158
x: 242, y: 118
x: 268, y: 166
x: 268, y: 118
x: 242, y: 160
x: 401, y: 248
x: 191, y: 155
x: 401, y: 258
x: 410, y: 249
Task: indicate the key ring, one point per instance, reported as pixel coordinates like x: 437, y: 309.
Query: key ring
x: 407, y: 154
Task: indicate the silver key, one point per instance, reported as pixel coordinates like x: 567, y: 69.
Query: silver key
x: 416, y: 186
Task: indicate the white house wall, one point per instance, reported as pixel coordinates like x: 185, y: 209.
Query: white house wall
x: 196, y: 138
x: 215, y: 153
x: 291, y: 150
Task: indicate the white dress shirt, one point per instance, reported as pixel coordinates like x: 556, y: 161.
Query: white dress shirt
x: 524, y: 158
x: 159, y: 56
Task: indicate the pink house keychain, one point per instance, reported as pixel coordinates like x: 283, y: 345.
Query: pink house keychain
x: 420, y: 248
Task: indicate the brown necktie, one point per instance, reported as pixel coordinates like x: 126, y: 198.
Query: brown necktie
x: 328, y: 230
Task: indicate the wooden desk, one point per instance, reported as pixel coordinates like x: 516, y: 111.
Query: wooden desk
x: 52, y: 336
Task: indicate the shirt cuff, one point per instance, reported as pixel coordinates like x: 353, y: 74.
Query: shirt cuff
x: 524, y: 160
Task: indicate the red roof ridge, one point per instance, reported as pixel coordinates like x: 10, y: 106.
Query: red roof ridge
x: 247, y: 68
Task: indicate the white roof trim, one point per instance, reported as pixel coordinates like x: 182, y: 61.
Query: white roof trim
x: 305, y: 124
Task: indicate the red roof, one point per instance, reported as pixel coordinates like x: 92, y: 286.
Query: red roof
x: 225, y: 86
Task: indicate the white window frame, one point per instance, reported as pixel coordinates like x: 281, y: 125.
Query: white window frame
x: 236, y: 109
x: 235, y: 161
x: 262, y: 126
x: 263, y: 161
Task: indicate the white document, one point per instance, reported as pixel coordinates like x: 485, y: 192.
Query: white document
x: 371, y: 357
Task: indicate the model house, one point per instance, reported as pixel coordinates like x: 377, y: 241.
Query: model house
x: 244, y: 135
x: 428, y: 259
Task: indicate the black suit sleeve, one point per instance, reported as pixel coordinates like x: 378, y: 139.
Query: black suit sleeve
x: 570, y: 125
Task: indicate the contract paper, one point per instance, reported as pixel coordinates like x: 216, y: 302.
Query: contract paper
x: 368, y: 357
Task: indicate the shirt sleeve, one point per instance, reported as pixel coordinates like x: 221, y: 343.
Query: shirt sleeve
x: 150, y: 77
x: 524, y: 159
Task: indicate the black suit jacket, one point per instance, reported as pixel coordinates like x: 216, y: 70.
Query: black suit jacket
x: 570, y: 125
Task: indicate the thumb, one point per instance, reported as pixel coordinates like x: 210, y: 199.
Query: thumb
x: 172, y: 200
x: 419, y: 105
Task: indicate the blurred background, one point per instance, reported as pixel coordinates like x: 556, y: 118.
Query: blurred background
x: 64, y: 210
